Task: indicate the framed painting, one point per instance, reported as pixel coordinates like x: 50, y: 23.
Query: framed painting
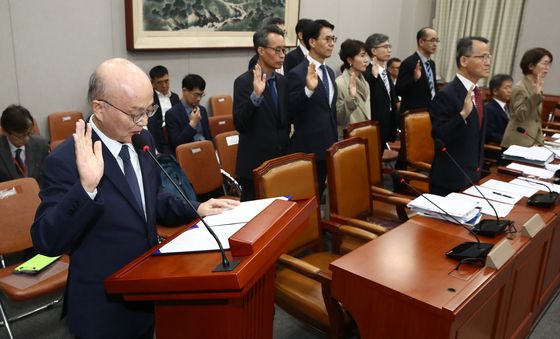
x: 191, y: 24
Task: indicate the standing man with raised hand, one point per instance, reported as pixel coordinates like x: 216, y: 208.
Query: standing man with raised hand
x: 164, y: 99
x: 259, y: 108
x: 101, y: 201
x: 383, y: 99
x: 416, y: 83
x: 312, y: 96
x: 458, y: 120
x: 300, y: 52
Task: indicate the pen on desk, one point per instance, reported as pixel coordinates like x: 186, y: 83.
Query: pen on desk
x: 501, y: 194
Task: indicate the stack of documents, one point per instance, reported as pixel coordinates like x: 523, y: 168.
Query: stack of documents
x: 533, y: 171
x: 533, y: 155
x: 462, y: 211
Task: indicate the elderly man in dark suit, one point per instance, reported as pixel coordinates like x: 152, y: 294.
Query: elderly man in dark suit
x: 458, y: 120
x: 416, y: 83
x: 101, y: 200
x: 21, y: 152
x: 259, y: 108
x: 312, y: 96
x: 497, y: 110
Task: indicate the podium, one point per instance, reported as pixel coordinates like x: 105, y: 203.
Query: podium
x: 190, y: 301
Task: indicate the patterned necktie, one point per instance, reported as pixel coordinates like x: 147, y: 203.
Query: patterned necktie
x: 478, y: 104
x: 20, y: 166
x: 271, y: 83
x: 130, y: 175
x: 326, y: 82
x: 430, y: 76
x: 387, y: 86
x: 506, y: 109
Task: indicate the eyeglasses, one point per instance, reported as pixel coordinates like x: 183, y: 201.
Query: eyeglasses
x: 278, y: 50
x: 433, y: 40
x: 483, y: 57
x: 387, y: 46
x: 139, y: 115
x: 330, y: 39
x: 197, y: 95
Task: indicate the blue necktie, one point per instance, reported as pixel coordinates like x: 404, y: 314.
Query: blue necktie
x: 430, y: 76
x: 325, y: 82
x: 271, y: 83
x: 130, y: 175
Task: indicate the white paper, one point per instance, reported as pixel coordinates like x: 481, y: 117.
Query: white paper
x: 531, y: 170
x: 535, y: 153
x: 197, y: 239
x: 510, y: 189
x: 435, y: 203
x: 492, y: 194
x: 243, y: 213
x: 527, y: 182
x: 556, y: 136
x: 501, y: 208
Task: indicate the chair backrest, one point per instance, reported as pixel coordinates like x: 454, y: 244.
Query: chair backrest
x: 293, y: 175
x: 220, y: 124
x: 226, y: 146
x: 19, y: 199
x: 221, y: 105
x: 199, y: 162
x: 63, y: 124
x: 348, y: 178
x: 419, y: 145
x: 369, y: 130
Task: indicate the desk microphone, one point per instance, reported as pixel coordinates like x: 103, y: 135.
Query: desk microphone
x: 540, y: 199
x: 466, y: 250
x: 488, y: 228
x: 140, y: 143
x: 524, y: 132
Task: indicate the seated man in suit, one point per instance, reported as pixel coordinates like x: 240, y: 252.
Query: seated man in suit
x: 187, y: 121
x: 165, y: 99
x: 393, y: 67
x: 496, y: 109
x: 312, y: 94
x: 101, y: 201
x: 21, y: 152
x: 298, y: 54
x: 259, y: 108
x: 279, y: 22
x: 457, y: 116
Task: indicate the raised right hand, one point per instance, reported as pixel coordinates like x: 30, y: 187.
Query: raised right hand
x: 468, y: 103
x: 374, y: 67
x: 89, y: 160
x: 259, y: 80
x: 312, y: 79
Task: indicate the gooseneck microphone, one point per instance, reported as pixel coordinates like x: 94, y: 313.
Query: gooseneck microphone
x: 140, y: 143
x: 524, y: 132
x: 466, y: 250
x: 488, y: 228
x: 540, y: 199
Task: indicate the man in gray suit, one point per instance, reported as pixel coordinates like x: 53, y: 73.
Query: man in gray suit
x: 21, y: 152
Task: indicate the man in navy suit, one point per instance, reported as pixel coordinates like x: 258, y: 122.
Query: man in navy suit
x: 416, y: 83
x: 278, y: 22
x: 300, y: 52
x: 312, y: 96
x: 100, y: 203
x: 496, y: 109
x: 187, y: 121
x: 259, y: 108
x: 458, y: 120
x: 165, y: 99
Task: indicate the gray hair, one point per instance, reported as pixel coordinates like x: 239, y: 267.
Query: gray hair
x: 375, y: 40
x: 260, y: 38
x: 96, y: 87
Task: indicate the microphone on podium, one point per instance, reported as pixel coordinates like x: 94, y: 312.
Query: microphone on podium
x: 489, y: 228
x: 468, y: 250
x: 140, y: 143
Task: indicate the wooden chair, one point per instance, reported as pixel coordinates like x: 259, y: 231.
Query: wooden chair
x: 417, y: 145
x: 351, y: 200
x: 303, y: 283
x: 199, y: 162
x: 63, y: 124
x: 226, y: 146
x: 220, y: 124
x: 221, y: 105
x: 18, y: 202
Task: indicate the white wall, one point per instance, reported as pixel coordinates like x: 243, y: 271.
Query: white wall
x: 49, y: 48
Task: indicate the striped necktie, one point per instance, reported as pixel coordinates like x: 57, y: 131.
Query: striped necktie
x: 430, y: 76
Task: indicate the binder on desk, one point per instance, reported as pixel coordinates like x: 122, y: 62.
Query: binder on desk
x: 535, y: 155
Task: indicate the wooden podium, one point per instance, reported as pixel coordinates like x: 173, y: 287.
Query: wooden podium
x: 191, y: 301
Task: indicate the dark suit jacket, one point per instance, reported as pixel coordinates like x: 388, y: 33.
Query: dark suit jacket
x: 380, y: 102
x: 179, y: 130
x: 36, y: 150
x: 496, y: 121
x: 101, y: 236
x: 156, y: 121
x: 293, y: 59
x: 314, y: 119
x: 464, y: 140
x: 264, y: 133
x: 414, y: 94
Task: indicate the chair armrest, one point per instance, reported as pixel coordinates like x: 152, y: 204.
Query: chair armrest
x: 394, y: 199
x: 305, y: 268
x: 357, y: 233
x: 550, y: 131
x: 493, y: 147
x: 424, y: 166
x: 365, y: 225
x: 411, y: 175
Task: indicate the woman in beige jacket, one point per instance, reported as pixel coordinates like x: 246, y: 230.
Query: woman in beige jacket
x: 352, y: 103
x: 526, y: 100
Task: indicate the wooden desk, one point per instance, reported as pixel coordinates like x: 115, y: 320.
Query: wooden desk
x: 401, y: 285
x: 193, y: 302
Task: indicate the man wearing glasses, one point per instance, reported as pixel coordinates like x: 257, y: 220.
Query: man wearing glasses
x: 416, y: 84
x: 259, y: 108
x: 21, y: 152
x: 101, y: 201
x: 458, y: 120
x: 187, y: 121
